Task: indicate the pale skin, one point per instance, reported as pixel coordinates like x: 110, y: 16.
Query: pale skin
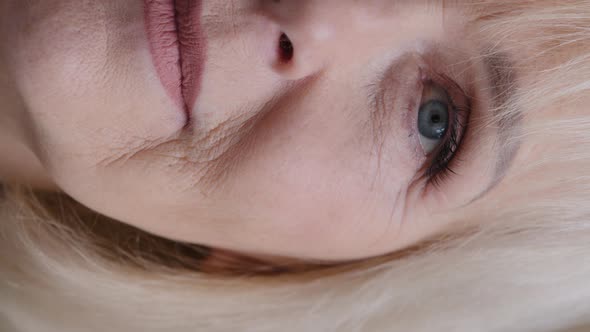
x: 283, y: 159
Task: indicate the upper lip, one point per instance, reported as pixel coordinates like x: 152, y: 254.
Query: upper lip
x: 179, y: 31
x: 177, y: 47
x: 191, y: 45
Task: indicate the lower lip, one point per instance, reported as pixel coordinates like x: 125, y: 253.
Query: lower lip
x: 177, y: 47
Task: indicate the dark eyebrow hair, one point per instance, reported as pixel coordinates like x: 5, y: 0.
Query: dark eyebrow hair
x: 500, y: 69
x: 503, y: 81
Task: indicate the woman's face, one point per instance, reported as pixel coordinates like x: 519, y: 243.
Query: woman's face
x: 323, y: 129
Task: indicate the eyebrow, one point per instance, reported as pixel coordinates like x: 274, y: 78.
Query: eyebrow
x: 503, y: 81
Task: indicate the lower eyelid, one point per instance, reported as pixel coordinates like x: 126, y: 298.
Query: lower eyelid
x: 395, y: 105
x: 410, y: 123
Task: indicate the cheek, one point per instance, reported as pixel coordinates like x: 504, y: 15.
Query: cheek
x: 315, y: 201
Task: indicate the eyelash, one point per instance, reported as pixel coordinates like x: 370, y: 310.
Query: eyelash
x: 440, y: 166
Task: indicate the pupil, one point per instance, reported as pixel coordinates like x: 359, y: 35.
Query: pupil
x: 433, y: 120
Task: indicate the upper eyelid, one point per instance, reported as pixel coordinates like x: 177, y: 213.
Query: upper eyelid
x: 501, y: 82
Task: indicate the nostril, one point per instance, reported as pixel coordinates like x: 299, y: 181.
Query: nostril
x: 286, y: 49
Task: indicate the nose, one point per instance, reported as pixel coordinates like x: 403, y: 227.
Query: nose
x: 313, y: 34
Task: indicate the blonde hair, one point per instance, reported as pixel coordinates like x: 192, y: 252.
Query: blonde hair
x: 524, y: 267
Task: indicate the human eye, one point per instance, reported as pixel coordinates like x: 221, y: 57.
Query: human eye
x: 442, y: 122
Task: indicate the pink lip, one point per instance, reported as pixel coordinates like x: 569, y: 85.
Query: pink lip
x: 177, y: 46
